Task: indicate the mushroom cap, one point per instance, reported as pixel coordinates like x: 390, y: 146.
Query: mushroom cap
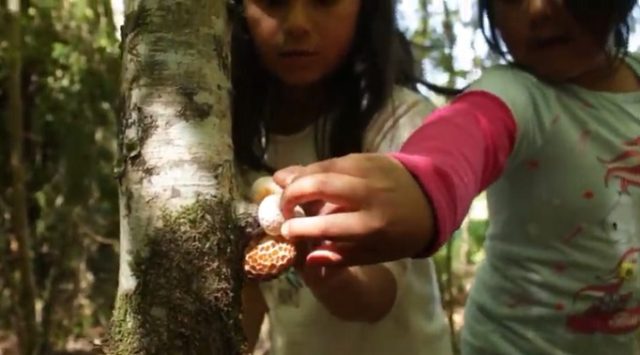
x: 263, y: 187
x: 270, y: 216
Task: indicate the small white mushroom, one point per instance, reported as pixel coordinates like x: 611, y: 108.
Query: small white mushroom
x: 270, y: 216
x: 263, y: 187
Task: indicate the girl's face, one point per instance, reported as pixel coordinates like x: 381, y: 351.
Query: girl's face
x: 302, y: 41
x: 543, y: 37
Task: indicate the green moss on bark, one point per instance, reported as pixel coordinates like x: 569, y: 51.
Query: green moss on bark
x: 187, y: 297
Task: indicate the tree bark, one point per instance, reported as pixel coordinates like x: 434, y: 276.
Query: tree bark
x: 180, y: 268
x: 19, y: 221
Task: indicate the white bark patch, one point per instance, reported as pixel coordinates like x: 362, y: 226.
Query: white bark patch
x: 173, y: 86
x: 126, y: 279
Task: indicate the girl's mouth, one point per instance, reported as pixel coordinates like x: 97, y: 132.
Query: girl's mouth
x: 296, y: 53
x: 546, y: 42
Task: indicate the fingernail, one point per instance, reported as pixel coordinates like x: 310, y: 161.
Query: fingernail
x: 289, y: 179
x: 284, y: 230
x: 323, y: 258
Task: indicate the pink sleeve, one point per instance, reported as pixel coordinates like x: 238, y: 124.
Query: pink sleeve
x: 459, y: 151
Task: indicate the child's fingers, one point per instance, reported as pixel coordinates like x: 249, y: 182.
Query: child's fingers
x: 330, y: 208
x: 352, y: 164
x: 339, y: 226
x: 319, y: 207
x: 338, y: 189
x: 341, y: 254
x: 325, y: 257
x: 283, y: 177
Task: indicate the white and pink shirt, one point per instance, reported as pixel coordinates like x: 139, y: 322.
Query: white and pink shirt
x: 562, y: 168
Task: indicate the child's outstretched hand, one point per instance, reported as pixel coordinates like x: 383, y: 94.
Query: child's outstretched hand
x: 368, y: 205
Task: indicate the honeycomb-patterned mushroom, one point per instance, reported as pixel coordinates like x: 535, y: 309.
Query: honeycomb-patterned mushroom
x: 268, y: 257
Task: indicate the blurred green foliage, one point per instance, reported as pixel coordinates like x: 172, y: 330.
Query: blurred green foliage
x: 70, y: 80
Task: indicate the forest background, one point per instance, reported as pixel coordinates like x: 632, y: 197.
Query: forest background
x: 68, y: 80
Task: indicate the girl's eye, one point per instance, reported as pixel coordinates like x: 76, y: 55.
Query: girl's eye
x: 275, y: 3
x: 282, y: 3
x: 326, y: 3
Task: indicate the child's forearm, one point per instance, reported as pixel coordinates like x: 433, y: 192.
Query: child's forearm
x: 360, y: 293
x: 459, y: 151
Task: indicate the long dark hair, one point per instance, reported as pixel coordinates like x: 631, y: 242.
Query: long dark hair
x: 359, y: 88
x: 608, y: 16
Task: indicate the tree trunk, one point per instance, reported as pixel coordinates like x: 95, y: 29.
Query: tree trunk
x: 180, y: 258
x: 19, y: 222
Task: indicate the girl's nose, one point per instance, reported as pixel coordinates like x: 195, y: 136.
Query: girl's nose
x: 540, y: 12
x: 541, y: 8
x: 297, y: 19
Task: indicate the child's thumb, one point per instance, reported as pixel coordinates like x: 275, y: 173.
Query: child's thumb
x: 284, y: 177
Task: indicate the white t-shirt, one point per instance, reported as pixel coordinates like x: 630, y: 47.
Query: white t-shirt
x: 300, y: 325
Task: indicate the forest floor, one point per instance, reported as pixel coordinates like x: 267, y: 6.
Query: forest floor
x: 76, y: 346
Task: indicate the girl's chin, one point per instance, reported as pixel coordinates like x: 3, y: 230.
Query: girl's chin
x: 300, y: 78
x: 299, y: 81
